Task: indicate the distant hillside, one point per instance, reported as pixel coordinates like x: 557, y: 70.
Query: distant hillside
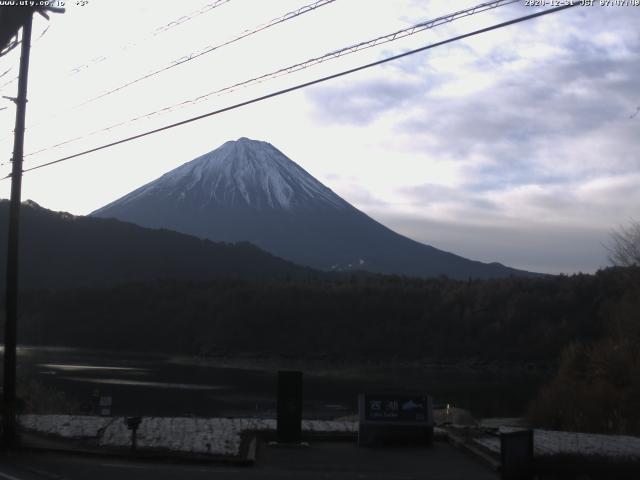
x: 60, y: 250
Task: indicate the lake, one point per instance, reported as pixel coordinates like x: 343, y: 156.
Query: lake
x: 162, y: 385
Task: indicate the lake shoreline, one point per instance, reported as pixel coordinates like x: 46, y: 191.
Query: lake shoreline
x: 327, y: 365
x: 164, y: 385
x: 314, y: 364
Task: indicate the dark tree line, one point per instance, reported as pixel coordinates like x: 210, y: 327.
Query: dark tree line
x: 597, y: 386
x: 355, y: 316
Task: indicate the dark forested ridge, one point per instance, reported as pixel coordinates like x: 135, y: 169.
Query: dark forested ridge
x: 59, y: 250
x: 358, y: 316
x: 99, y: 283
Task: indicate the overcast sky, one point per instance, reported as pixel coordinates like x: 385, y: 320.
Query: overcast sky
x: 518, y: 146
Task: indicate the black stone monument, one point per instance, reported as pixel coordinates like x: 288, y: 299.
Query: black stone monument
x: 516, y: 452
x: 289, y: 407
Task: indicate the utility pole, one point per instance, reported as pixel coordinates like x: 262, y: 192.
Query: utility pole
x: 11, y: 300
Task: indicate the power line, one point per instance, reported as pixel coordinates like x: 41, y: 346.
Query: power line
x: 5, y: 72
x: 100, y: 58
x: 10, y: 47
x: 185, y: 18
x: 208, y: 49
x: 41, y: 9
x: 157, y: 31
x: 358, y: 47
x: 7, y: 83
x: 304, y: 85
x: 301, y: 66
x: 331, y: 55
x: 42, y: 34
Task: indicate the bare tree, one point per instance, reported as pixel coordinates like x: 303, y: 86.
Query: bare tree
x: 624, y: 246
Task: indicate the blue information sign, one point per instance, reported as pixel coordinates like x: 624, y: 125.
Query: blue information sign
x: 396, y: 408
x: 387, y: 418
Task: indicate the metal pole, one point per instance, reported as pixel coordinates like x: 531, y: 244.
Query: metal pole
x: 11, y: 300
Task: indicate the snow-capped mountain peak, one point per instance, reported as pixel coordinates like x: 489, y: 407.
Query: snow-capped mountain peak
x: 241, y: 174
x: 247, y: 190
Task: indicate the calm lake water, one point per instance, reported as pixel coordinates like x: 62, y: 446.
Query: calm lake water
x: 154, y: 385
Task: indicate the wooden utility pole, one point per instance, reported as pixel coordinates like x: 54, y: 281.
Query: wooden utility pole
x: 11, y: 300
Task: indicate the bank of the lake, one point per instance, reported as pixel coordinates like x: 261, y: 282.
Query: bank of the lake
x: 246, y: 384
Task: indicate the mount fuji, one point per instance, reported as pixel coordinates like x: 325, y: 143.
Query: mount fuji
x: 248, y: 190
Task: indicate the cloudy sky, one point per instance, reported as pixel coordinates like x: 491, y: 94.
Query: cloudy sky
x: 518, y: 146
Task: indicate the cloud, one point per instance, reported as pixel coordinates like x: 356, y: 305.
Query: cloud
x: 550, y: 102
x: 537, y: 119
x: 362, y: 102
x: 525, y: 120
x: 349, y: 188
x: 515, y: 145
x: 549, y: 248
x: 432, y: 194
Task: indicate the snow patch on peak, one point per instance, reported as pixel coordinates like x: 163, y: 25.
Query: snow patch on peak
x: 251, y: 172
x: 239, y: 174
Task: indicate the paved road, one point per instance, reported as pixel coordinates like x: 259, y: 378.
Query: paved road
x: 340, y: 461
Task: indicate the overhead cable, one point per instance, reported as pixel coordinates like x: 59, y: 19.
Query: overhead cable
x: 210, y: 48
x: 304, y: 85
x: 163, y: 28
x: 297, y: 67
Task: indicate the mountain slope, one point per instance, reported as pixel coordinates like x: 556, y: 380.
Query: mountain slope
x: 59, y: 250
x: 248, y: 190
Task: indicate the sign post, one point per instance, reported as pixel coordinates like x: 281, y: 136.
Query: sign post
x: 132, y: 424
x: 390, y: 418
